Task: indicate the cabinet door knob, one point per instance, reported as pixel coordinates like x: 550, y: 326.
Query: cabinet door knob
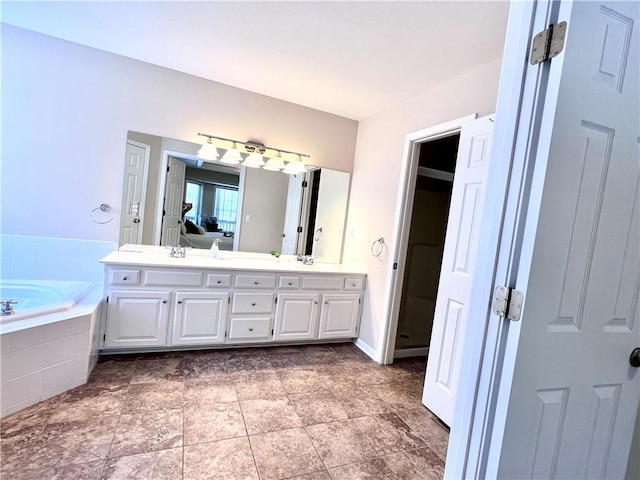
x: 253, y: 304
x: 179, y: 302
x: 353, y: 284
x: 164, y: 301
x: 256, y: 283
x: 219, y: 281
x: 315, y: 301
x: 326, y: 303
x: 290, y: 283
x: 124, y: 278
x: 251, y: 329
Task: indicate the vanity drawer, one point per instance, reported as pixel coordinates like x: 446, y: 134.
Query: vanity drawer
x: 218, y: 280
x: 353, y: 283
x: 322, y: 283
x: 255, y: 281
x: 173, y: 278
x: 252, y: 303
x: 125, y: 277
x: 289, y: 283
x: 248, y: 329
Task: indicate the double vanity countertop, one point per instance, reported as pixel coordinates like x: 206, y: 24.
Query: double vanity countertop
x: 154, y: 256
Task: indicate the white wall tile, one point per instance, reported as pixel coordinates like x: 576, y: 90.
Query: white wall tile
x: 71, y: 260
x: 6, y: 255
x: 64, y: 372
x: 66, y: 348
x: 23, y: 261
x: 48, y: 258
x: 57, y: 330
x: 10, y: 342
x: 20, y: 363
x: 20, y: 390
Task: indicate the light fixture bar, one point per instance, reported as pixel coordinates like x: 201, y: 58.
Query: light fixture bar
x: 253, y: 145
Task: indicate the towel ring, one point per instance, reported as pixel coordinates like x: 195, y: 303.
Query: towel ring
x: 104, y: 208
x: 380, y: 248
x: 317, y: 236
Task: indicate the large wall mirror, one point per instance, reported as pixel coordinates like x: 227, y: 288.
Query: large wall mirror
x: 172, y: 197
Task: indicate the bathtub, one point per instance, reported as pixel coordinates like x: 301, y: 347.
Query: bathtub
x: 50, y: 344
x: 39, y: 298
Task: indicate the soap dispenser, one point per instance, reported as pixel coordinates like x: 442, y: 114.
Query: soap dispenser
x: 214, y: 251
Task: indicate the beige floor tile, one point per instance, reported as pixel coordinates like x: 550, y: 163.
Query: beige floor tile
x: 147, y: 432
x: 262, y: 416
x: 209, y: 423
x: 375, y: 469
x: 222, y: 460
x: 422, y: 463
x: 204, y: 392
x: 388, y: 433
x: 318, y: 407
x: 153, y: 397
x: 284, y: 454
x: 340, y: 443
x: 157, y: 465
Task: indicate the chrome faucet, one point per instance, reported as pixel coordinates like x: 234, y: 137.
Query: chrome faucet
x: 178, y: 252
x: 6, y: 308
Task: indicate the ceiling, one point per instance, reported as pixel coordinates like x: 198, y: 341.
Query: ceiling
x: 352, y: 59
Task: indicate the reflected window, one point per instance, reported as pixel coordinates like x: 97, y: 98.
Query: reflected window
x: 193, y: 195
x: 226, y: 207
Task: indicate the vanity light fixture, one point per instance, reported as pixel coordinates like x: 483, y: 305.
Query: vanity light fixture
x: 232, y: 156
x: 293, y: 168
x: 256, y: 153
x: 275, y: 164
x: 208, y: 151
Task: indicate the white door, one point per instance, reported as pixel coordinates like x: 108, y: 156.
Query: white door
x: 339, y: 315
x: 573, y: 399
x: 137, y: 319
x: 135, y: 188
x: 173, y: 198
x: 330, y: 214
x: 292, y: 215
x: 296, y: 317
x: 199, y: 318
x: 456, y: 272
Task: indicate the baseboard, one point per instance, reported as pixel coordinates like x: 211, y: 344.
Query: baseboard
x: 370, y: 352
x: 411, y: 352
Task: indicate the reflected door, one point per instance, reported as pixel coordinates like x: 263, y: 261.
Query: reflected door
x: 173, y: 197
x: 135, y: 188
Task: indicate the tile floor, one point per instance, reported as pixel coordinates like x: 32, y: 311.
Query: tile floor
x: 310, y: 412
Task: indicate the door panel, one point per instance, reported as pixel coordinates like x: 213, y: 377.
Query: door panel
x: 173, y: 198
x: 137, y: 319
x: 199, y: 318
x: 296, y: 317
x: 339, y: 315
x: 454, y: 288
x: 574, y: 396
x: 134, y: 192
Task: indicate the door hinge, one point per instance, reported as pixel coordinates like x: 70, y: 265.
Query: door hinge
x: 507, y: 303
x: 104, y: 337
x: 299, y: 229
x: 168, y: 168
x: 359, y: 300
x: 276, y: 300
x: 107, y: 298
x: 548, y: 43
x: 395, y: 266
x: 305, y: 184
x: 272, y: 332
x: 225, y: 334
x: 229, y: 300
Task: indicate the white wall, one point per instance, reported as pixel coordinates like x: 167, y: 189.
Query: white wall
x: 376, y: 176
x: 66, y: 110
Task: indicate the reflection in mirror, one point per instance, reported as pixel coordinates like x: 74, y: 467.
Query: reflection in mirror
x: 172, y: 197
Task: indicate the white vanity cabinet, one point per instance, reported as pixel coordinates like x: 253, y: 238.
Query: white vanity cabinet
x: 340, y: 315
x: 161, y: 306
x: 296, y: 316
x: 199, y: 318
x: 137, y: 318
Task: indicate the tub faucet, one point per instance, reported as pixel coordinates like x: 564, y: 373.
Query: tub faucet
x: 178, y: 252
x: 6, y: 308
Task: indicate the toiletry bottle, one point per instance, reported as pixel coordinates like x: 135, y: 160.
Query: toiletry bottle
x: 214, y: 251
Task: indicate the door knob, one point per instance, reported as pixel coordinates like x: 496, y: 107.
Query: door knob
x: 634, y: 358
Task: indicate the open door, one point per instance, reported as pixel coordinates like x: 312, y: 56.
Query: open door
x: 573, y: 396
x: 173, y: 197
x: 456, y: 272
x: 135, y: 188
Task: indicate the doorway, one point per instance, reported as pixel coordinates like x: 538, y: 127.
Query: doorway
x: 431, y: 202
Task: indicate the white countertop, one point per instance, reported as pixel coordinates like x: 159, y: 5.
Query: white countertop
x: 154, y: 256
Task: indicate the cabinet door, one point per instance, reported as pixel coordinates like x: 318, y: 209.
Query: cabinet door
x: 340, y: 315
x: 137, y: 319
x: 199, y: 318
x: 296, y: 317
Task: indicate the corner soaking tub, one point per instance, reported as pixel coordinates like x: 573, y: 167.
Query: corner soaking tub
x: 50, y: 343
x: 37, y: 298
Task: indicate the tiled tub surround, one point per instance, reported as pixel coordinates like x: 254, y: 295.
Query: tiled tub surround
x: 45, y: 355
x: 316, y: 412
